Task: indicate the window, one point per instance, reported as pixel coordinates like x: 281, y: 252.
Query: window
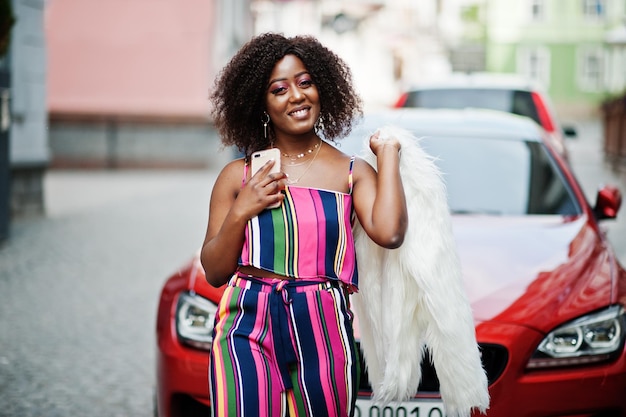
x: 594, y: 9
x: 489, y: 175
x: 501, y: 177
x: 501, y: 99
x: 591, y: 70
x: 534, y: 64
x: 537, y: 10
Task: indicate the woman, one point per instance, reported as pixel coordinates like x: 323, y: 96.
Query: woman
x: 283, y: 341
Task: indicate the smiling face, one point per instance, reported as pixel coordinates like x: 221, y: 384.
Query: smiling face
x: 292, y: 99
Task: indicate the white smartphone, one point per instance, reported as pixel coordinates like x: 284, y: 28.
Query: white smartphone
x: 259, y: 158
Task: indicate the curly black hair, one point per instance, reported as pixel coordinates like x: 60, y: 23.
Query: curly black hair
x: 239, y: 93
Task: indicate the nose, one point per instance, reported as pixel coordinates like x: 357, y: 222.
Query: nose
x: 296, y: 94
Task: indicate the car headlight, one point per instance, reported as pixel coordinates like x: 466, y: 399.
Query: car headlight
x: 195, y: 316
x: 589, y: 339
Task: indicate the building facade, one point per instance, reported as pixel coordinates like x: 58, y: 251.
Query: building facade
x: 562, y: 45
x: 128, y: 83
x: 25, y: 116
x: 131, y: 87
x: 388, y: 44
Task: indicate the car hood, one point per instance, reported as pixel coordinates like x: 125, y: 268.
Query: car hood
x: 536, y: 271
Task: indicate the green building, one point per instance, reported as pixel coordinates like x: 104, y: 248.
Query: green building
x: 573, y: 48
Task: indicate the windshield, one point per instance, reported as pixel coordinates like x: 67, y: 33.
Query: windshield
x: 500, y: 177
x: 497, y: 177
x: 510, y: 101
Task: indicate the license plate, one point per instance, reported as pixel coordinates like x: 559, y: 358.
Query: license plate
x: 422, y: 408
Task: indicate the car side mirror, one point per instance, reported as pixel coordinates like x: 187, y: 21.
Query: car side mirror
x: 608, y: 202
x: 570, y: 132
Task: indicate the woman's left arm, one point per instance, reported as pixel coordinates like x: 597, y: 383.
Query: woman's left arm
x: 379, y: 199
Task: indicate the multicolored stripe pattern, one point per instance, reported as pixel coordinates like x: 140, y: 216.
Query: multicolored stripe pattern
x: 283, y: 347
x: 308, y: 236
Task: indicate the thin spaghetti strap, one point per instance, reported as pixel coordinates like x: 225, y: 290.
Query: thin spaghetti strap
x: 350, y: 183
x: 245, y: 174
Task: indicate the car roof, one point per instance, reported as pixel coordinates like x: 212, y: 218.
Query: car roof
x: 468, y: 122
x: 479, y: 80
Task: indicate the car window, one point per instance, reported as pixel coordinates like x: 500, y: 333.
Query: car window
x: 491, y: 176
x: 501, y: 177
x: 510, y: 101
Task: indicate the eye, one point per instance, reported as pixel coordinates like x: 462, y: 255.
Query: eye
x: 306, y: 82
x: 277, y: 89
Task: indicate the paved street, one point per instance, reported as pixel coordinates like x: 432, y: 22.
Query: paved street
x: 78, y: 288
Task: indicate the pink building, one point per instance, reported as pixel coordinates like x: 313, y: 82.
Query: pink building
x: 129, y: 59
x: 128, y: 82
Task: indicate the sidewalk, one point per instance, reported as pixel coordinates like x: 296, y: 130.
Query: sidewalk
x: 79, y: 288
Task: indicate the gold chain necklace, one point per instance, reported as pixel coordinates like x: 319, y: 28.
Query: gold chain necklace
x: 295, y: 181
x: 295, y: 157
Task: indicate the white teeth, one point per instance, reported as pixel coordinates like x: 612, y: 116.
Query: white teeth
x: 299, y: 112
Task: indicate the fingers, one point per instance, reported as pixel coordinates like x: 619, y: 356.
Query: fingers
x: 265, y: 186
x: 270, y: 193
x: 264, y: 170
x: 380, y: 140
x: 265, y: 175
x: 275, y: 180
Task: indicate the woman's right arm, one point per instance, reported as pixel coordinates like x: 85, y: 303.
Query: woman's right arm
x: 229, y: 211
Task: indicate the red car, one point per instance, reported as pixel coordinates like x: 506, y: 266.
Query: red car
x: 504, y: 92
x: 547, y: 291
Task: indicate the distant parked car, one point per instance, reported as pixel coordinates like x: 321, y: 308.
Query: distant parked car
x: 547, y: 292
x: 504, y: 92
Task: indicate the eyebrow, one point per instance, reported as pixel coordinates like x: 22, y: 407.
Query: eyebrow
x: 285, y: 79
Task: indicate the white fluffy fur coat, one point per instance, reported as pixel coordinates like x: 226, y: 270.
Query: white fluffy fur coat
x: 412, y: 298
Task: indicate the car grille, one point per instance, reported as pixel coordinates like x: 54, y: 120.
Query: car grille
x: 493, y: 357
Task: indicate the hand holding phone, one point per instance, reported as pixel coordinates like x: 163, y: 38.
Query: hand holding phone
x: 260, y: 158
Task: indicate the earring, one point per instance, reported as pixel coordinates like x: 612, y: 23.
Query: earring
x: 319, y: 126
x: 265, y: 123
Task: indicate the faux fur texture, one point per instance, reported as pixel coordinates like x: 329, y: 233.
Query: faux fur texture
x: 412, y: 298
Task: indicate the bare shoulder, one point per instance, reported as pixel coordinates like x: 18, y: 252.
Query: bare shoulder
x: 362, y: 168
x: 362, y: 171
x: 337, y: 156
x: 232, y: 176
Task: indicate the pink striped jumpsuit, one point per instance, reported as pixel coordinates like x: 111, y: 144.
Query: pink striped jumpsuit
x: 286, y: 347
